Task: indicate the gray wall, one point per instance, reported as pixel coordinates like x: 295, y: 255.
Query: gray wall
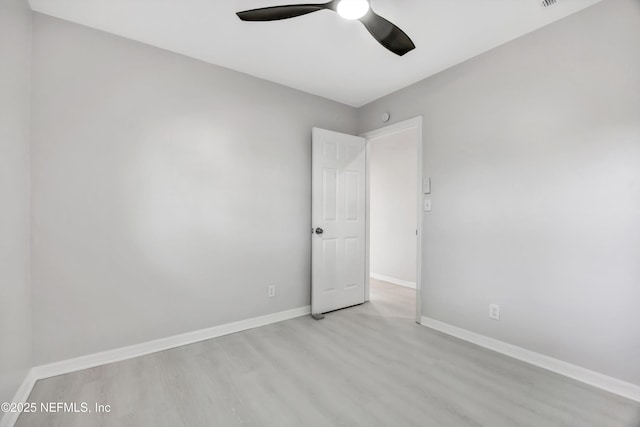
x: 167, y: 193
x: 534, y: 154
x: 392, y: 178
x: 15, y: 314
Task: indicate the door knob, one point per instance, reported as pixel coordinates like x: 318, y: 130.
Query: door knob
x: 319, y: 230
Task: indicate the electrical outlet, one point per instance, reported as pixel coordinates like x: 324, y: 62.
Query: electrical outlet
x: 271, y: 291
x: 494, y: 311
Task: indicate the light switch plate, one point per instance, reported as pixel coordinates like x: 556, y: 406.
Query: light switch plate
x: 426, y: 185
x: 427, y: 205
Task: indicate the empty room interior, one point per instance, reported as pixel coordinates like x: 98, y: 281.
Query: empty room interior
x: 352, y: 213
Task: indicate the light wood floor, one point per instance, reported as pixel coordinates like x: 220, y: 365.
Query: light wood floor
x: 369, y: 365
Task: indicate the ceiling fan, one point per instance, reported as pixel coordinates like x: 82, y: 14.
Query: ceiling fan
x: 387, y: 34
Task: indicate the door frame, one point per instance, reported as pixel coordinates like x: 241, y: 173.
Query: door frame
x: 416, y: 123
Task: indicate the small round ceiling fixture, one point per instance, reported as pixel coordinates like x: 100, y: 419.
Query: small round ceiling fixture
x: 353, y: 9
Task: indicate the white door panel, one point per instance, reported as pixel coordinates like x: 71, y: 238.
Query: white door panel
x: 338, y: 208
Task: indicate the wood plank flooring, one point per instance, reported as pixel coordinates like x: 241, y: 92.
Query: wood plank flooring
x: 369, y: 365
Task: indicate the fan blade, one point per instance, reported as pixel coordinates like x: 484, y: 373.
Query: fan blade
x: 282, y: 12
x: 387, y: 34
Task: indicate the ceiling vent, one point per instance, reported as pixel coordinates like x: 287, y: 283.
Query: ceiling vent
x: 547, y: 3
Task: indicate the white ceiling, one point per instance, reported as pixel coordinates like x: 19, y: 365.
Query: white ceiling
x: 319, y: 53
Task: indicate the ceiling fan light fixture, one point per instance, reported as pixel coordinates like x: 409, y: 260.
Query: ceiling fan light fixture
x: 386, y: 33
x: 353, y: 9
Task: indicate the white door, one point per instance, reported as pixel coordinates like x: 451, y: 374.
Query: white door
x: 338, y: 221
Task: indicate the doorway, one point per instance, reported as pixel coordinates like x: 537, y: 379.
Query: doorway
x: 394, y: 212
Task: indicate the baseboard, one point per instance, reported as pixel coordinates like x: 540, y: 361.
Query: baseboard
x: 124, y: 353
x: 393, y: 280
x: 601, y: 381
x: 21, y: 396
